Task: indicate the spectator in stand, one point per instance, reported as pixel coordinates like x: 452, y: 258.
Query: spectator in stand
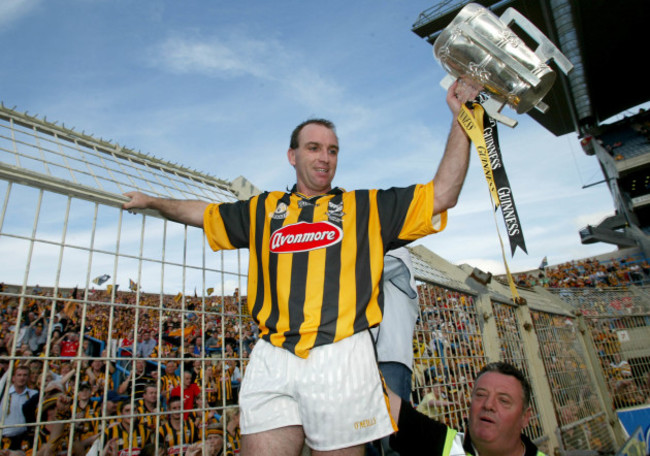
x: 214, y: 441
x: 4, y: 361
x: 35, y: 336
x: 190, y: 392
x: 127, y: 435
x: 434, y: 403
x: 223, y: 383
x: 212, y: 343
x: 126, y: 344
x: 50, y: 440
x: 86, y: 410
x: 18, y: 395
x: 87, y: 348
x: 97, y: 376
x: 233, y: 433
x: 593, y: 273
x: 148, y: 406
x: 249, y: 339
x: 169, y: 380
x: 70, y: 344
x: 146, y: 345
x: 196, y: 349
x: 230, y: 341
x: 5, y: 333
x: 136, y: 387
x: 178, y: 434
x: 35, y: 374
x: 207, y: 417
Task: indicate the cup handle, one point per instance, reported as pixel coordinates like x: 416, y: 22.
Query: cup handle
x: 546, y: 49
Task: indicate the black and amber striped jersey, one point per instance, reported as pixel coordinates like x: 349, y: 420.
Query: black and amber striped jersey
x: 217, y: 384
x: 57, y: 446
x: 149, y: 418
x: 233, y: 442
x: 170, y: 382
x: 121, y: 431
x: 316, y: 264
x: 181, y: 439
x: 88, y: 426
x: 223, y: 389
x: 25, y: 443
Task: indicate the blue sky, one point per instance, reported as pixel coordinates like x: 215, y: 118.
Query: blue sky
x: 219, y: 85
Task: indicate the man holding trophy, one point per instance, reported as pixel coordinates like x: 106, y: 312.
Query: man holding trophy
x: 325, y: 297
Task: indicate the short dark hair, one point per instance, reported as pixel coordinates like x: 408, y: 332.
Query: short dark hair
x: 21, y: 367
x: 294, y: 143
x: 502, y: 367
x: 174, y: 398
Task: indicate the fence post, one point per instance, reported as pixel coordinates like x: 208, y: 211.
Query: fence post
x: 596, y: 369
x: 538, y: 377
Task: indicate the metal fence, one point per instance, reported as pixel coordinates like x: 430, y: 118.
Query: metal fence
x: 85, y: 284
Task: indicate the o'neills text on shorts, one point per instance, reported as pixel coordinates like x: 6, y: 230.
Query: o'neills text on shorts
x: 365, y: 423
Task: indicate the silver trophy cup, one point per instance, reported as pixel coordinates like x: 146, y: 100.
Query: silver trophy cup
x: 480, y: 45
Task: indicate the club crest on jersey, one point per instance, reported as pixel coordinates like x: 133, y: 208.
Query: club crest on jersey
x: 335, y: 212
x: 303, y: 236
x: 280, y: 211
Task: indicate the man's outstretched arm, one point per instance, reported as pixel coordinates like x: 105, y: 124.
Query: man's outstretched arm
x: 188, y: 212
x: 452, y: 169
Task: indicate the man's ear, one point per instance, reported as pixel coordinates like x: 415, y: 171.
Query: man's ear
x: 526, y: 417
x: 291, y: 155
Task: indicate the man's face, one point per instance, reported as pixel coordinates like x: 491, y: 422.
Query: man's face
x: 175, y: 407
x: 84, y: 394
x: 496, y: 414
x: 20, y: 377
x: 215, y: 442
x: 315, y: 159
x: 126, y: 413
x: 149, y: 395
x: 187, y: 379
x: 111, y: 408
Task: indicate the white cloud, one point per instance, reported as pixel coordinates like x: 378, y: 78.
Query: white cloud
x: 233, y: 56
x: 12, y: 11
x: 214, y: 57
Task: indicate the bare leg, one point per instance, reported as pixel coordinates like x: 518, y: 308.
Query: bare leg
x: 282, y: 441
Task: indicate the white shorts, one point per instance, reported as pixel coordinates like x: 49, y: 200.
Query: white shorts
x: 337, y: 394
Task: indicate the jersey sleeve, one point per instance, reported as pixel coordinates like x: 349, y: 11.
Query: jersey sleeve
x: 406, y: 214
x: 420, y: 435
x: 227, y: 225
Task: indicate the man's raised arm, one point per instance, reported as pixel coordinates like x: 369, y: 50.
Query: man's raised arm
x: 452, y: 169
x: 188, y: 212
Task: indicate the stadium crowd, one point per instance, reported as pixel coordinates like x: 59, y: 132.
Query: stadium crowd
x: 90, y: 369
x: 589, y: 273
